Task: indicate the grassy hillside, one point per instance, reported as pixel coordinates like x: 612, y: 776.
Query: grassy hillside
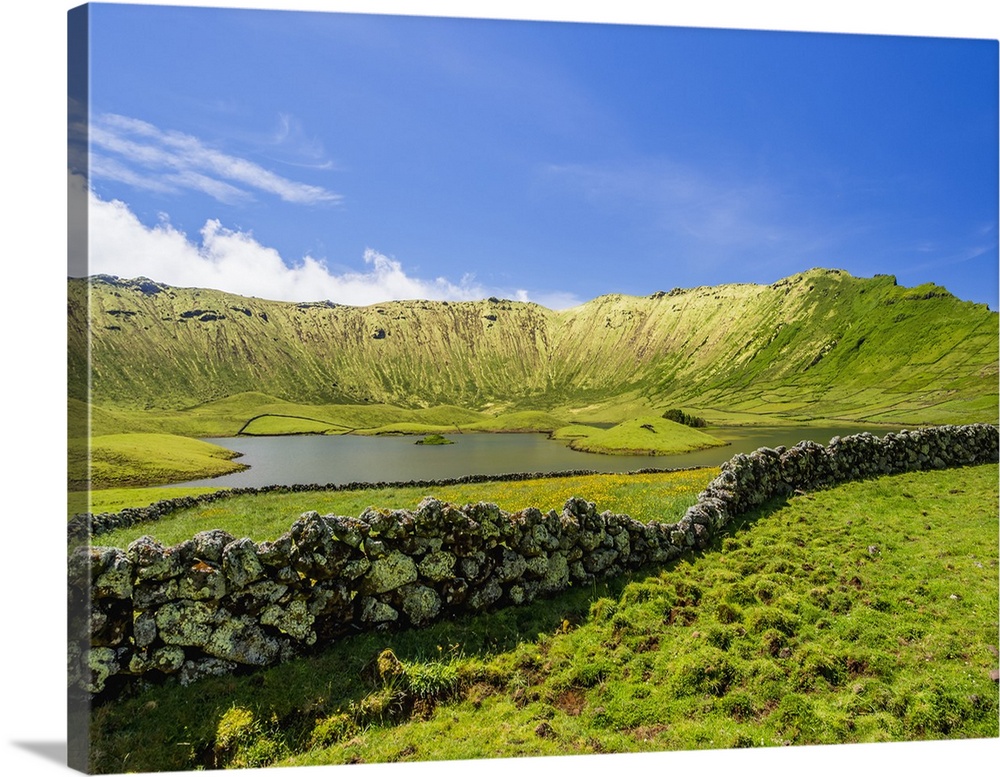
x: 134, y: 459
x: 171, y: 348
x: 647, y: 435
x: 820, y: 344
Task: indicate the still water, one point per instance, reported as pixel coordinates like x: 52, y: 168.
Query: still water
x: 340, y: 459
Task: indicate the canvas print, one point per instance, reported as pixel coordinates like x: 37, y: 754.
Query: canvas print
x: 446, y: 388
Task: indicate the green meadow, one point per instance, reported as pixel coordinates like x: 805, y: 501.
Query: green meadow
x: 110, y: 460
x: 863, y: 613
x: 661, y: 496
x: 650, y: 434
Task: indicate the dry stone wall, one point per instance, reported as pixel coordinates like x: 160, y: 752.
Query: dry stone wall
x: 217, y: 604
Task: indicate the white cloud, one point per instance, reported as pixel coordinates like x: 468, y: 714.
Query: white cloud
x: 119, y: 244
x: 142, y: 155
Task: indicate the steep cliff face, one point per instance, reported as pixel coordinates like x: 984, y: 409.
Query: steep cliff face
x: 819, y: 334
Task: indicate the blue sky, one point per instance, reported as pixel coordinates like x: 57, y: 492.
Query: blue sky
x: 357, y: 158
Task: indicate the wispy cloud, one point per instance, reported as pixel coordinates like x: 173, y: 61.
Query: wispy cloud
x: 140, y: 154
x: 977, y: 246
x: 296, y: 147
x: 234, y: 261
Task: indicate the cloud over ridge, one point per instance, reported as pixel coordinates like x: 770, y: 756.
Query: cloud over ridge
x: 234, y: 261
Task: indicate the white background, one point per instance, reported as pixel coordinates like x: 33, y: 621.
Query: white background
x: 32, y: 322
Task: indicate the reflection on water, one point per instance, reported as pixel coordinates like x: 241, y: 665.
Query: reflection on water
x: 355, y: 459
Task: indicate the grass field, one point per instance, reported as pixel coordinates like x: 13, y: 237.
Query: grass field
x: 134, y: 459
x: 864, y: 613
x: 656, y: 496
x: 647, y: 435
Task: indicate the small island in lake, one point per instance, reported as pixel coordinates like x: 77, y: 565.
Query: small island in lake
x: 434, y: 439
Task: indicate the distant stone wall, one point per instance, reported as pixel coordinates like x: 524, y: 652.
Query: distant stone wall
x: 217, y: 604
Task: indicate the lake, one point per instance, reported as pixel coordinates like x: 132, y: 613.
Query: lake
x: 301, y: 459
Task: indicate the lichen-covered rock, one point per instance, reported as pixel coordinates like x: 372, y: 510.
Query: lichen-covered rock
x: 588, y: 539
x: 355, y: 568
x: 146, y: 595
x: 196, y: 669
x: 428, y: 520
x: 144, y: 629
x: 374, y: 548
x: 266, y: 591
x: 493, y: 527
x: 483, y: 596
x: 595, y: 563
x: 152, y: 561
x: 240, y: 563
x: 102, y: 663
x: 437, y: 566
x: 543, y: 539
x: 208, y: 545
x: 242, y: 640
x: 294, y: 619
x: 165, y: 659
x: 168, y: 659
x: 285, y: 575
x: 557, y: 575
x: 397, y: 526
x: 350, y: 531
x: 536, y: 567
x: 535, y: 538
x: 185, y: 622
x: 202, y: 580
x: 81, y: 565
x: 578, y: 508
x: 510, y: 567
x: 474, y: 568
x: 516, y: 594
x: 420, y: 603
x: 420, y: 546
x: 622, y: 544
x: 115, y: 577
x: 376, y: 612
x: 388, y: 573
x: 277, y: 553
x: 330, y: 596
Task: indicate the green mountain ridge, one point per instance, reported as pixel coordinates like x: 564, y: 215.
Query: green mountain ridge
x: 819, y: 344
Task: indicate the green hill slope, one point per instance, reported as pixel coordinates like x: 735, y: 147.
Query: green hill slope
x: 649, y: 435
x: 820, y: 344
